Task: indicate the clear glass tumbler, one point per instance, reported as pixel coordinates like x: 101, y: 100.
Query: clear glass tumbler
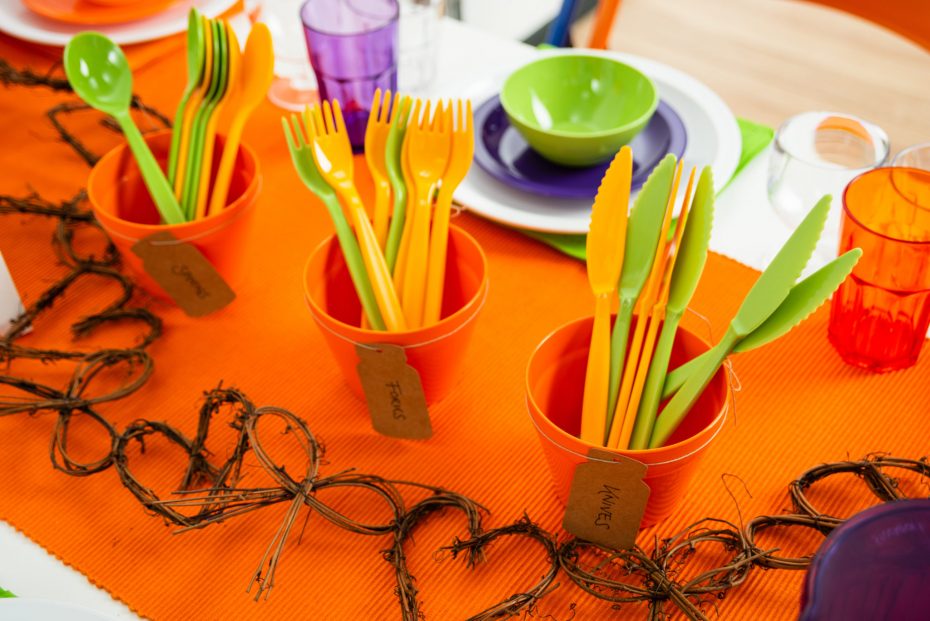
x: 817, y: 153
x: 419, y: 44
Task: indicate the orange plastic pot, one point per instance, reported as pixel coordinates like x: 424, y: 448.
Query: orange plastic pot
x: 436, y: 351
x: 125, y: 210
x: 554, y: 393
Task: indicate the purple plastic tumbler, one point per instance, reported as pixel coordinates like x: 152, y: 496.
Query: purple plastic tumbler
x: 353, y: 50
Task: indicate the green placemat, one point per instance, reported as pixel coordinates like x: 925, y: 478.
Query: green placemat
x: 755, y: 138
x: 5, y: 593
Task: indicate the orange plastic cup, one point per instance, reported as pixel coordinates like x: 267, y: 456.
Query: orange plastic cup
x: 436, y: 351
x: 125, y: 210
x: 554, y: 393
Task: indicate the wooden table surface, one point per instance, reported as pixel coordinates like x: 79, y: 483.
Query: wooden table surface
x: 770, y: 59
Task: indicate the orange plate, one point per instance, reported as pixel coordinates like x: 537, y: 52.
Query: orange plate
x: 87, y: 12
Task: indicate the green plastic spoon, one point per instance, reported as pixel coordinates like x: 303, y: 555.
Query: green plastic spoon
x: 688, y: 269
x: 642, y: 237
x: 766, y: 295
x: 196, y: 59
x: 806, y: 297
x: 100, y: 75
x: 394, y: 149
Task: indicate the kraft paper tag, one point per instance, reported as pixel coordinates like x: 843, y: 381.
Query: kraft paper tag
x: 184, y: 273
x: 393, y: 392
x: 607, y: 500
x: 11, y: 305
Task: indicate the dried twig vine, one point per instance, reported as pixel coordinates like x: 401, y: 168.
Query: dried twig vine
x: 209, y: 492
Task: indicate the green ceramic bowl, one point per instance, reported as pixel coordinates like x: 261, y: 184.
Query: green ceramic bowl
x: 578, y: 110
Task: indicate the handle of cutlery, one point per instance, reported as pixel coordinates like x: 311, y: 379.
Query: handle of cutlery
x: 176, y: 131
x: 639, y: 383
x: 184, y: 144
x: 206, y: 168
x: 382, y: 203
x: 436, y: 264
x: 652, y: 390
x: 353, y: 257
x: 626, y: 385
x: 618, y: 342
x: 396, y: 228
x: 152, y: 175
x: 677, y: 378
x: 415, y: 270
x: 224, y: 172
x: 681, y: 403
x: 376, y: 266
x: 597, y: 374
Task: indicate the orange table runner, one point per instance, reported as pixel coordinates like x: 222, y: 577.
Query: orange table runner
x: 800, y: 405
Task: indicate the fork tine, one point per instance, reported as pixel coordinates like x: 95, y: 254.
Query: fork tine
x: 438, y: 117
x: 385, y: 116
x: 287, y: 135
x: 469, y: 117
x: 319, y: 129
x: 340, y: 124
x: 299, y: 130
x: 425, y: 119
x: 414, y: 122
x: 459, y: 117
x: 328, y: 124
x: 405, y: 112
x: 375, y: 112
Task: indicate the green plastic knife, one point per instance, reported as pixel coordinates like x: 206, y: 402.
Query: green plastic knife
x: 394, y: 148
x: 642, y: 238
x: 766, y: 295
x: 806, y: 297
x: 688, y: 269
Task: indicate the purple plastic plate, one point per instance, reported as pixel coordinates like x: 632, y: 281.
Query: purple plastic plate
x: 503, y: 153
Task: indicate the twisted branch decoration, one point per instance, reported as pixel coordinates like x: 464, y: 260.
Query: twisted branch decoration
x: 209, y: 493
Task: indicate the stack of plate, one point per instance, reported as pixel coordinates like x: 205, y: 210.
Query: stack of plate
x: 513, y: 185
x: 54, y: 22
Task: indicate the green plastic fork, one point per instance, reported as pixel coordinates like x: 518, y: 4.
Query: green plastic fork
x: 394, y: 151
x: 302, y: 157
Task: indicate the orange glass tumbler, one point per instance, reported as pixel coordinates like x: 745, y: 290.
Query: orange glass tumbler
x: 880, y: 314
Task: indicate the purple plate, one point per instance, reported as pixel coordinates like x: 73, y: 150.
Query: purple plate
x: 503, y: 153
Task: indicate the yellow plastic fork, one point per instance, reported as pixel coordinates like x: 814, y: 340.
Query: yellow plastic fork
x: 430, y: 147
x: 376, y: 133
x: 333, y: 156
x: 463, y: 149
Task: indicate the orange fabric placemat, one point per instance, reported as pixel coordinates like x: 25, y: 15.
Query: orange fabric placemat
x: 800, y: 405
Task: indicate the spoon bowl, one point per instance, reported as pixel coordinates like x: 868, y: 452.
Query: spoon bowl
x: 99, y: 72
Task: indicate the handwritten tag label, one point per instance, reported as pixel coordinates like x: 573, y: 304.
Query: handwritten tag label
x: 607, y: 500
x: 184, y: 273
x: 393, y: 392
x: 11, y: 305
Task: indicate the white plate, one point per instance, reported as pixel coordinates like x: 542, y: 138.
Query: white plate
x: 713, y: 139
x: 18, y: 21
x: 24, y: 609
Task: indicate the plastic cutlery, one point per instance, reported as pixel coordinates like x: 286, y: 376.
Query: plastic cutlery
x: 430, y: 147
x: 246, y: 92
x: 463, y: 150
x: 231, y: 70
x: 400, y: 266
x: 394, y: 150
x: 692, y: 255
x: 191, y: 108
x: 302, y: 157
x: 620, y: 423
x: 196, y: 56
x: 642, y: 237
x: 333, y: 156
x: 768, y: 292
x: 804, y: 298
x: 195, y: 150
x: 376, y: 133
x: 100, y: 75
x: 604, y: 249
